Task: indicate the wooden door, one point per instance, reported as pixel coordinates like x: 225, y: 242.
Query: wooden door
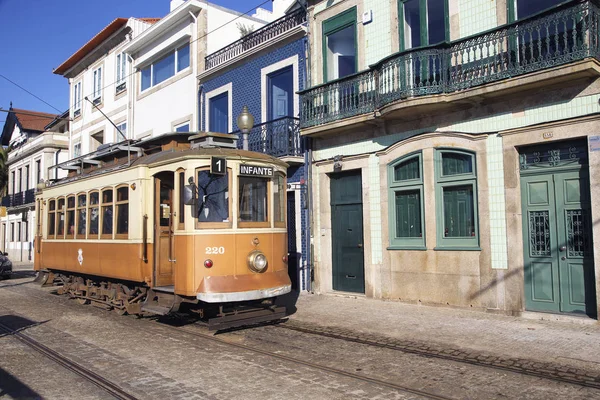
x: 163, y: 230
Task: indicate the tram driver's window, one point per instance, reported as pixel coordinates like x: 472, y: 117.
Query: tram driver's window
x: 60, y: 217
x: 51, y: 218
x: 279, y: 199
x: 253, y: 205
x: 213, y: 197
x: 94, y: 214
x: 107, y: 212
x: 122, y: 209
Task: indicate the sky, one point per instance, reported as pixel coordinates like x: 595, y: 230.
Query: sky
x: 38, y: 35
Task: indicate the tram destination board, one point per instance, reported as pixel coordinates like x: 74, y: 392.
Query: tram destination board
x: 218, y: 165
x: 256, y: 170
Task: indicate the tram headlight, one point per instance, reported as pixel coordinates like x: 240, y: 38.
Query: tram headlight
x: 257, y: 261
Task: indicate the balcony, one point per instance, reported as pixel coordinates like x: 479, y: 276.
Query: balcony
x: 278, y: 138
x: 529, y: 50
x: 19, y: 199
x: 261, y: 36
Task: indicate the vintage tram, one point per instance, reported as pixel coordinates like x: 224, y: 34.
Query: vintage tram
x: 180, y: 219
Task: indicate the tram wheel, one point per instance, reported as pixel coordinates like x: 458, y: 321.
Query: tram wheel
x: 82, y: 300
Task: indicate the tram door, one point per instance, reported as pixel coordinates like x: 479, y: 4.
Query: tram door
x: 163, y: 229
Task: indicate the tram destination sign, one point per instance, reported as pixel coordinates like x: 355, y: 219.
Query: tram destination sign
x: 256, y: 170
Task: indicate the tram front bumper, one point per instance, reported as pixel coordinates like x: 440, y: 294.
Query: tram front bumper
x: 223, y: 289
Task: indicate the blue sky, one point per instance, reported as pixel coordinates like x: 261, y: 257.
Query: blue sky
x: 38, y: 35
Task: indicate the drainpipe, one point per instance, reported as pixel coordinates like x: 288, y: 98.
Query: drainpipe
x: 195, y: 65
x: 308, y: 213
x: 200, y: 91
x: 131, y: 100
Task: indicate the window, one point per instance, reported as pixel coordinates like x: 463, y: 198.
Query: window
x: 27, y: 177
x: 18, y: 231
x: 407, y: 222
x: 181, y: 175
x: 185, y: 127
x: 60, y: 218
x: 280, y: 93
x: 219, y: 113
x: 77, y: 149
x: 12, y: 231
x: 279, y: 199
x: 213, y: 198
x: 166, y: 67
x: 339, y: 45
x: 107, y: 213
x: 121, y: 84
x: 81, y: 215
x: 94, y: 213
x: 122, y: 209
x: 51, y: 218
x: 123, y: 128
x: 97, y: 90
x: 38, y: 171
x: 253, y: 198
x: 456, y: 200
x: 422, y: 22
x: 20, y: 181
x: 77, y: 99
x: 519, y: 9
x: 12, y: 180
x: 70, y: 217
x: 96, y: 140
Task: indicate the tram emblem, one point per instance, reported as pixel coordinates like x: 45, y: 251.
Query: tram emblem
x: 80, y: 256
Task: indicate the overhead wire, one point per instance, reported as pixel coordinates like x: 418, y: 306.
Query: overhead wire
x: 37, y: 97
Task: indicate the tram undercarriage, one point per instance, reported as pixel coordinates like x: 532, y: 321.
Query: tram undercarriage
x: 135, y: 299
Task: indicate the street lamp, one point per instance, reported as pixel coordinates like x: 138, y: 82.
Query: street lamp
x: 245, y: 122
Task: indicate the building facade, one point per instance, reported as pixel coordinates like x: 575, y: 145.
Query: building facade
x: 454, y: 148
x: 35, y: 141
x: 263, y: 71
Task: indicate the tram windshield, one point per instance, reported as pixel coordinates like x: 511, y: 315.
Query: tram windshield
x: 253, y: 199
x: 213, y: 197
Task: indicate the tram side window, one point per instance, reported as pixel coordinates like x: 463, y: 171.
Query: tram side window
x: 94, y: 214
x: 213, y: 197
x: 279, y: 199
x: 253, y: 199
x: 71, y: 216
x: 60, y: 217
x: 107, y: 212
x: 122, y: 209
x: 51, y: 218
x: 81, y: 215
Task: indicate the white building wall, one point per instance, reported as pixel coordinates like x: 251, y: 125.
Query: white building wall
x: 222, y: 27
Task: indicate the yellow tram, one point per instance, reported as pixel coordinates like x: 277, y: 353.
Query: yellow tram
x: 144, y: 227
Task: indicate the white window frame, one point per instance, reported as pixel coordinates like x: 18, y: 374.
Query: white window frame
x: 175, y: 66
x: 76, y: 145
x: 97, y: 85
x: 123, y: 128
x: 213, y: 93
x: 182, y: 124
x: 121, y: 72
x: 77, y: 99
x: 265, y: 72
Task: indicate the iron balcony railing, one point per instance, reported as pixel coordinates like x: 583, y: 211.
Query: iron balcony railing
x: 559, y: 36
x: 258, y: 37
x: 277, y: 138
x: 19, y: 199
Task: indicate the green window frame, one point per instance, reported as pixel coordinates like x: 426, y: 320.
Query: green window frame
x: 336, y: 24
x: 407, y: 210
x: 424, y: 21
x: 456, y: 200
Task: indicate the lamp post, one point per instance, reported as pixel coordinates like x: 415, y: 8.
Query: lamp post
x: 245, y: 122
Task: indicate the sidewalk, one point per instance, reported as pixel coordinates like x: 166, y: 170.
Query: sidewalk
x: 571, y: 341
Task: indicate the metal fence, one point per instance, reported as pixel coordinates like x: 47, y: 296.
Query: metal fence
x: 278, y: 138
x: 19, y: 199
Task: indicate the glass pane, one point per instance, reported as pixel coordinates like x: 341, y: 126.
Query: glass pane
x: 94, y: 198
x: 183, y: 128
x: 181, y: 192
x: 459, y: 213
x: 107, y: 196
x: 146, y: 75
x: 51, y: 224
x: 219, y: 113
x: 213, y: 197
x: 93, y: 220
x: 436, y: 27
x: 61, y: 224
x: 163, y: 69
x: 253, y: 199
x: 526, y: 8
x: 51, y: 205
x: 81, y: 200
x: 122, y: 194
x: 71, y: 202
x: 122, y: 218
x: 278, y: 198
x: 408, y: 169
x: 408, y: 214
x: 183, y: 57
x: 71, y: 222
x: 107, y: 220
x: 81, y: 220
x: 412, y: 24
x: 341, y: 53
x: 456, y: 163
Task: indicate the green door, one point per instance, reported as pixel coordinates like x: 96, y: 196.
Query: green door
x: 347, y: 232
x: 559, y: 271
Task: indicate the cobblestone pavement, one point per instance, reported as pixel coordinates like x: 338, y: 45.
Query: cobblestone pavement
x: 152, y: 360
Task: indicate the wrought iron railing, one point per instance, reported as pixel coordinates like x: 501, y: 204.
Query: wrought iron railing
x: 262, y: 35
x: 278, y: 138
x: 559, y: 36
x: 19, y: 199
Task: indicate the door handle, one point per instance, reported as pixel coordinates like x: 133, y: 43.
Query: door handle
x: 562, y: 248
x: 563, y: 258
x: 360, y: 245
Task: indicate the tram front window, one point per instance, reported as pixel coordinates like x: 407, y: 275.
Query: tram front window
x: 253, y: 199
x: 213, y: 197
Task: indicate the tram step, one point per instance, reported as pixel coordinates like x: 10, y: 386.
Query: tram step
x: 246, y: 318
x: 156, y: 309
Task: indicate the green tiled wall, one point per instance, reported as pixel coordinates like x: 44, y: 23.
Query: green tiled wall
x: 378, y: 33
x: 476, y: 16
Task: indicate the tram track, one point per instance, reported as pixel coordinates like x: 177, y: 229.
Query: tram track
x: 90, y: 376
x: 538, y: 369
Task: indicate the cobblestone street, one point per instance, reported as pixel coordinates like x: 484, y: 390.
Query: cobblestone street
x: 331, y: 347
